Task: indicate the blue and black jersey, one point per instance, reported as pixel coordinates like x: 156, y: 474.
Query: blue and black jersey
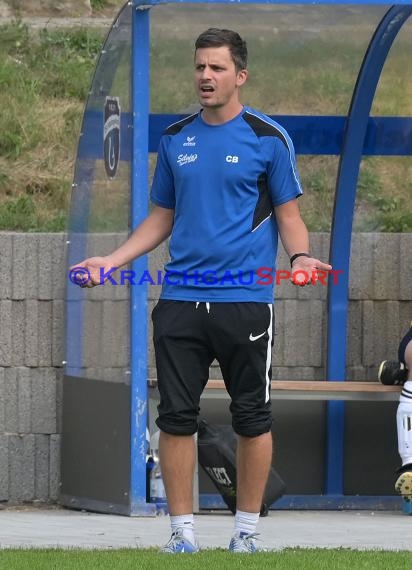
x: 223, y: 182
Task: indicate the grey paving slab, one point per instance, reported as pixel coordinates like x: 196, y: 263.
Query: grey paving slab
x: 66, y: 529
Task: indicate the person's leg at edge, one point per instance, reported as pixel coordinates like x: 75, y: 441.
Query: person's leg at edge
x: 177, y: 459
x: 254, y: 458
x: 403, y: 483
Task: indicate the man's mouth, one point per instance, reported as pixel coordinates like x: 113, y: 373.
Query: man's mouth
x: 206, y: 89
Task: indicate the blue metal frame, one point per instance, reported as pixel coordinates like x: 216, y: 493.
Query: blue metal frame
x: 341, y: 234
x: 138, y: 295
x: 341, y: 230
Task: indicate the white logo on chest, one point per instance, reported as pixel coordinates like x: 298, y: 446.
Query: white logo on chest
x: 190, y: 141
x: 232, y: 159
x: 183, y: 159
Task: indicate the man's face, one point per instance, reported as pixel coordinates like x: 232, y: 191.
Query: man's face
x: 216, y: 78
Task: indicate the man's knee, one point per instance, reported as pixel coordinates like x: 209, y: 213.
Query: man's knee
x: 174, y: 424
x: 252, y: 427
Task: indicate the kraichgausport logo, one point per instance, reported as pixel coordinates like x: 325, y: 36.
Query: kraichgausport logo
x: 111, y: 135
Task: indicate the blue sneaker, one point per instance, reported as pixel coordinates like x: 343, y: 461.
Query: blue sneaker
x: 243, y: 542
x: 179, y: 544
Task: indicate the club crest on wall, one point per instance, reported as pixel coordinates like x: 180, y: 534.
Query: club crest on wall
x: 111, y: 135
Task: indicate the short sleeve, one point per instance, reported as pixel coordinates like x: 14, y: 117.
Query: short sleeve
x: 163, y: 190
x: 283, y: 176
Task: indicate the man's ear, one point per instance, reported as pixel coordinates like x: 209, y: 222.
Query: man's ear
x: 241, y: 77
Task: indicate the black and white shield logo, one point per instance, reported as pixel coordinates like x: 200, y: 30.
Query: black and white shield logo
x: 111, y: 136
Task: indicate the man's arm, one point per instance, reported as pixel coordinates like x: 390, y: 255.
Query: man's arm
x: 149, y: 234
x: 295, y: 239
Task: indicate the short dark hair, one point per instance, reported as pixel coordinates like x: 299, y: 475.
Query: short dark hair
x: 216, y: 37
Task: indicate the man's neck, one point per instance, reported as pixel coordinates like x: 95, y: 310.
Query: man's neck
x: 221, y: 115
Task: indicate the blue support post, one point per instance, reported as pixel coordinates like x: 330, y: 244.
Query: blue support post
x: 138, y: 294
x: 341, y: 234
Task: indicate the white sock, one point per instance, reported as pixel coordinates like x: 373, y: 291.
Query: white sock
x: 246, y: 522
x: 187, y: 523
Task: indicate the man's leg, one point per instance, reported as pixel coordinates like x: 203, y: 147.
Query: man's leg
x: 177, y: 459
x: 182, y: 362
x: 254, y: 458
x: 243, y: 335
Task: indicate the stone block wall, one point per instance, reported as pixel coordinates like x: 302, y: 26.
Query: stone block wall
x: 32, y: 350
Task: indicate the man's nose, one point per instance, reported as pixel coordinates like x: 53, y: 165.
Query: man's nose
x: 205, y: 72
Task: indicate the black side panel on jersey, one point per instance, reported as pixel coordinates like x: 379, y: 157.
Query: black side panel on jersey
x: 264, y: 205
x: 177, y: 127
x: 263, y: 129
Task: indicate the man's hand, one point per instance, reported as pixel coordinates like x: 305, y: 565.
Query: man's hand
x: 91, y: 272
x: 308, y: 271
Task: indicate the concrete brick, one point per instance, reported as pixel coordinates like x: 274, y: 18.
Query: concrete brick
x: 297, y: 373
x: 356, y: 374
x: 31, y: 275
x: 59, y: 400
x: 19, y: 266
x: 26, y: 270
x: 92, y: 333
x: 60, y: 266
x: 21, y: 467
x: 46, y: 267
x: 11, y: 417
x: 6, y: 264
x: 6, y: 333
x: 355, y: 334
x: 31, y: 339
x: 24, y: 407
x: 2, y: 401
x: 43, y: 400
x: 120, y: 375
x: 54, y: 466
x: 380, y: 332
x: 41, y: 467
x: 386, y: 267
x: 4, y: 468
x: 58, y: 333
x: 115, y: 334
x: 18, y: 333
x: 361, y: 279
x: 405, y: 267
x: 303, y: 333
x: 45, y: 324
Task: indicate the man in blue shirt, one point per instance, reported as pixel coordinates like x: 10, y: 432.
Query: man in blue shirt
x: 225, y: 187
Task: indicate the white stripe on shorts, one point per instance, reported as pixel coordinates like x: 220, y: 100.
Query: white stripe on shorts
x: 269, y: 353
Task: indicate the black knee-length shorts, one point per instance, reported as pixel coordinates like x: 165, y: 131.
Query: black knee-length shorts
x: 188, y: 336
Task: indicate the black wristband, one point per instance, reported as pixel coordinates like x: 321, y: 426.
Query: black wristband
x: 296, y: 255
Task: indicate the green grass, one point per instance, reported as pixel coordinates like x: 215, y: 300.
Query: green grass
x: 45, y: 78
x: 288, y: 559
